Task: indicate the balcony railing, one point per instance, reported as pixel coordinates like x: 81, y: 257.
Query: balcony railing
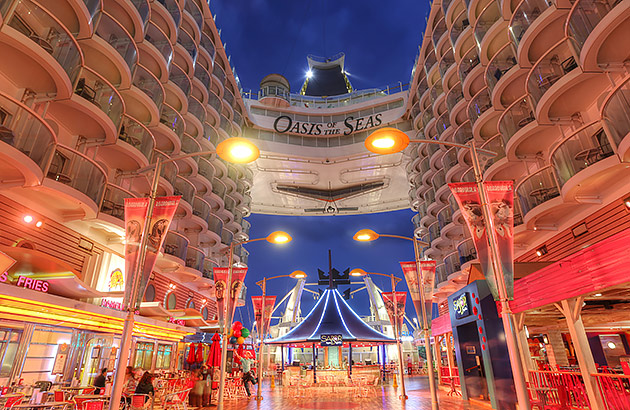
x: 226, y: 125
x: 438, y: 31
x: 176, y: 244
x: 441, y: 275
x: 274, y: 91
x: 445, y: 217
x: 202, y: 75
x: 422, y: 209
x: 228, y: 96
x: 449, y: 159
x: 197, y: 109
x: 459, y: 25
x: 434, y: 231
x: 211, y: 134
x: 214, y: 101
x: 143, y: 9
x: 463, y: 133
x: 173, y: 120
x: 205, y: 169
x: 169, y: 169
x: 113, y: 203
x: 230, y: 204
x: 436, y: 91
x: 180, y: 79
x: 155, y: 36
x: 466, y: 250
x: 185, y: 40
x: 451, y: 262
x: 226, y: 237
x: 537, y: 189
x: 430, y: 61
x: 207, y: 44
x: 584, y: 17
x: 454, y: 96
x: 552, y: 66
x: 218, y: 72
x: 246, y: 227
x: 194, y: 11
x: 586, y: 147
x: 195, y: 258
x: 45, y: 30
x: 424, y: 165
x: 416, y: 221
x: 25, y: 130
x: 616, y: 112
x: 94, y: 8
x: 208, y: 268
x: 201, y: 208
x: 117, y: 37
x: 515, y: 117
x: 218, y: 187
x: 469, y: 61
x: 97, y: 90
x: 186, y: 189
x: 494, y: 144
x: 150, y: 85
x: 525, y: 14
x: 173, y: 8
x: 488, y: 16
x: 215, y: 224
x: 77, y: 171
x: 238, y: 119
x: 422, y: 87
x: 438, y: 180
x: 137, y: 135
x: 190, y: 146
x: 446, y: 62
x: 500, y: 64
x: 443, y: 122
x: 479, y: 104
x: 429, y: 196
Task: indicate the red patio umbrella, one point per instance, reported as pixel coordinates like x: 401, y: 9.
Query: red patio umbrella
x: 199, y: 356
x: 191, y: 354
x: 214, y: 357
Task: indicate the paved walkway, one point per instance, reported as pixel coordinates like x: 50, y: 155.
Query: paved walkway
x: 386, y: 398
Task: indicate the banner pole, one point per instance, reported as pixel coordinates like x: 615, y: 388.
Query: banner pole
x: 506, y: 312
x: 425, y: 325
x: 227, y: 320
x: 127, y: 334
x: 403, y: 396
x: 260, y: 330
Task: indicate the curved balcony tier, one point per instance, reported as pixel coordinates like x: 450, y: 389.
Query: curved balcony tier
x: 115, y: 34
x: 38, y: 52
x: 515, y: 117
x: 173, y: 122
x: 27, y: 142
x: 161, y: 49
x: 145, y: 107
x: 186, y: 189
x: 486, y: 19
x: 175, y: 250
x: 185, y: 40
x: 173, y: 9
x: 500, y: 64
x: 537, y: 189
x: 459, y: 25
x: 526, y: 12
x: 133, y: 149
x: 208, y: 45
x: 197, y: 111
x: 615, y: 115
x: 169, y: 172
x: 112, y: 207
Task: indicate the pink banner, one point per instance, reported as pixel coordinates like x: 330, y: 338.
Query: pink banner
x: 501, y: 198
x: 136, y: 210
x: 427, y: 274
x: 401, y: 298
x: 220, y: 281
x: 270, y: 302
x: 411, y: 276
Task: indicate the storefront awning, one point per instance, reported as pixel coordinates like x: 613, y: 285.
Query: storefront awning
x: 155, y: 309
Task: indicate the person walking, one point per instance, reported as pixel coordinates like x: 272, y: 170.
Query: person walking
x: 409, y: 365
x: 246, y: 363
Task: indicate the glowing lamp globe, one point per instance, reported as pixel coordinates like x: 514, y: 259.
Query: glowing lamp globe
x: 365, y: 235
x: 237, y: 150
x: 279, y: 237
x: 386, y: 141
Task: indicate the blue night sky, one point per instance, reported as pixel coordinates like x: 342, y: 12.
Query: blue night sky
x: 380, y: 39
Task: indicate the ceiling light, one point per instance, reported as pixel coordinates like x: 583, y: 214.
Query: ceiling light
x: 611, y: 345
x: 598, y: 295
x: 28, y: 219
x: 39, y: 224
x: 309, y: 74
x: 541, y: 251
x: 626, y: 202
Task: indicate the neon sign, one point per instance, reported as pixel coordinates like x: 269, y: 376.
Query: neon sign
x: 460, y: 305
x: 28, y: 283
x: 331, y: 340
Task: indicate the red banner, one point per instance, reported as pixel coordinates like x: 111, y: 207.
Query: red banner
x: 136, y: 210
x: 270, y: 302
x: 220, y: 283
x: 411, y: 276
x: 501, y: 198
x: 401, y: 298
x: 427, y: 274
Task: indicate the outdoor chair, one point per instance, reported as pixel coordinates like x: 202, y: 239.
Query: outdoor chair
x: 138, y: 402
x: 79, y: 402
x: 94, y: 405
x: 177, y: 400
x: 12, y: 401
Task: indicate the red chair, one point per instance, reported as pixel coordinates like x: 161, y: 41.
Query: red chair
x: 94, y: 405
x: 12, y: 401
x: 139, y: 401
x: 89, y: 390
x: 79, y: 402
x: 59, y: 395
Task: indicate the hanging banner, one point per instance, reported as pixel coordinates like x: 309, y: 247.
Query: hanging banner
x: 401, y: 298
x: 501, y: 198
x: 270, y: 302
x: 135, y: 218
x: 223, y: 292
x: 413, y: 283
x: 427, y: 277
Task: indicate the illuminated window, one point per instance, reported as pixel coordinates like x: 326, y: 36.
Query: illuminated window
x: 163, y: 360
x: 144, y: 355
x: 170, y: 301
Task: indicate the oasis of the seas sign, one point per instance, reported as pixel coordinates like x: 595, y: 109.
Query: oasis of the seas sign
x: 350, y: 124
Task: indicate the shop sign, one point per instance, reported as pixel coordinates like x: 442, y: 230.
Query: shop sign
x: 331, y: 340
x: 176, y: 321
x: 350, y: 124
x: 112, y: 304
x: 25, y: 282
x: 461, y: 306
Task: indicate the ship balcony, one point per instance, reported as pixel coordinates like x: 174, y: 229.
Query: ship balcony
x: 463, y: 133
x: 206, y: 171
x: 208, y: 268
x: 441, y: 276
x: 498, y: 66
x: 187, y: 191
x: 74, y: 184
x: 228, y: 96
x: 596, y: 28
x: 185, y: 40
x: 526, y: 12
x: 179, y: 77
x: 168, y: 174
x: 160, y: 48
x: 175, y: 250
x: 486, y: 19
x: 215, y: 107
x: 112, y: 208
x: 148, y: 106
x: 479, y: 104
x: 536, y: 189
x: 447, y: 61
x: 197, y: 112
x: 226, y: 237
x: 417, y: 226
x: 193, y: 20
x: 469, y: 61
x: 201, y: 212
x: 442, y: 123
x: 172, y: 127
x: 33, y: 38
x: 133, y: 149
x: 218, y: 191
x: 515, y: 117
x: 226, y: 127
x: 219, y: 73
x: 438, y: 181
x: 237, y: 124
x: 452, y: 264
x: 430, y: 61
x: 173, y: 10
x: 203, y: 76
x: 459, y: 25
x: 193, y: 267
x: 444, y: 217
x: 244, y: 234
x: 208, y: 45
x: 616, y: 116
x: 434, y: 232
x: 27, y: 143
x: 494, y: 144
x: 585, y: 162
x: 117, y: 37
x: 438, y: 31
x: 143, y: 9
x: 215, y: 228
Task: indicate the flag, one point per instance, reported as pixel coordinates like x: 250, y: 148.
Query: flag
x: 388, y: 298
x: 222, y: 292
x: 263, y: 326
x: 136, y: 210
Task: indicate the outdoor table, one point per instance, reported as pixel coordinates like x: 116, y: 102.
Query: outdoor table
x: 39, y: 405
x: 91, y: 396
x: 589, y: 156
x: 76, y: 388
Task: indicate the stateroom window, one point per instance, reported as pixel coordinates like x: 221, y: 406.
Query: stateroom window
x: 163, y: 357
x: 144, y: 355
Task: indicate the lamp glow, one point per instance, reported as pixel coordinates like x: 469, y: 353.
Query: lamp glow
x: 39, y: 224
x: 611, y: 345
x: 298, y: 274
x: 28, y: 219
x: 365, y: 235
x: 386, y: 141
x: 279, y: 237
x: 309, y: 74
x: 237, y: 150
x: 357, y: 272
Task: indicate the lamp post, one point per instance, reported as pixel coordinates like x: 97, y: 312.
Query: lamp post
x: 235, y: 150
x: 394, y: 281
x: 367, y: 235
x: 277, y: 237
x: 391, y: 140
x: 298, y: 274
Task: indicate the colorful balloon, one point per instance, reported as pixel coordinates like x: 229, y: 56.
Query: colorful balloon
x: 245, y: 332
x: 237, y: 333
x: 233, y: 340
x: 240, y: 340
x: 237, y: 325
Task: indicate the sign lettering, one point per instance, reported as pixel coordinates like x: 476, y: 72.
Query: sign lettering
x: 460, y: 305
x: 350, y: 124
x: 331, y: 340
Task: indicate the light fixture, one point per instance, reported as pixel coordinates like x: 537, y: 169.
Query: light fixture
x: 39, y: 224
x: 309, y: 74
x: 626, y: 202
x: 386, y: 140
x: 357, y: 272
x: 611, y: 345
x: 237, y: 150
x: 28, y: 219
x: 598, y: 295
x: 365, y: 235
x: 546, y: 340
x: 541, y: 251
x: 279, y: 237
x: 298, y: 274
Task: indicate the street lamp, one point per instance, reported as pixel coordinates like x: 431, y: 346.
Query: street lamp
x: 297, y: 274
x: 368, y: 235
x: 391, y: 140
x: 357, y: 272
x: 277, y: 238
x: 235, y: 150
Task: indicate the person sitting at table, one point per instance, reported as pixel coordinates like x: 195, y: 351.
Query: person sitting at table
x: 145, y: 385
x: 99, y: 381
x: 129, y: 384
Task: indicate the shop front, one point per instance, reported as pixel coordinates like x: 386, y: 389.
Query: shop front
x: 480, y: 348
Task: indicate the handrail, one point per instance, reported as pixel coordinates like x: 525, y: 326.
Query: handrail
x: 543, y: 58
x: 129, y: 36
x: 122, y: 101
x: 573, y: 134
x: 496, y: 55
x: 30, y: 111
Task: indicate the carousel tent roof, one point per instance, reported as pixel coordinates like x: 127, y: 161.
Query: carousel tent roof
x: 332, y: 316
